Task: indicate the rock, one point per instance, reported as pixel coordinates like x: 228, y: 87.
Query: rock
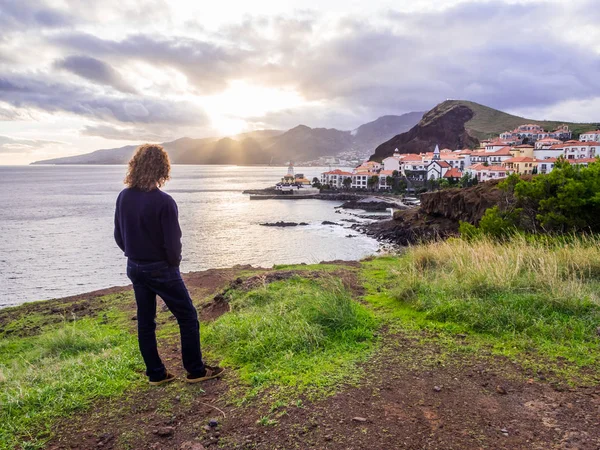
x: 178, y: 398
x: 134, y: 318
x: 437, y: 388
x: 213, y: 423
x: 359, y: 419
x: 500, y: 390
x: 206, y: 428
x: 190, y: 445
x: 283, y: 224
x: 164, y: 431
x: 328, y: 437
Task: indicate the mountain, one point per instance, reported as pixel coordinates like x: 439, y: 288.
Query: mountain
x: 299, y: 144
x: 459, y: 124
x: 369, y: 135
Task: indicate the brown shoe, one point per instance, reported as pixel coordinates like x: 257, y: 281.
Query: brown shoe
x: 211, y: 372
x: 168, y: 378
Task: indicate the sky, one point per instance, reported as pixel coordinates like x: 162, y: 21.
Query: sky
x: 77, y: 76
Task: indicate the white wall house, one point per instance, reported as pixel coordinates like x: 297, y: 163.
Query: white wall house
x: 360, y: 180
x: 486, y: 173
x: 546, y: 143
x: 547, y: 153
x: 437, y: 169
x: 499, y: 156
x: 577, y: 149
x: 335, y: 178
x: 546, y: 165
x: 392, y: 162
x: 590, y: 136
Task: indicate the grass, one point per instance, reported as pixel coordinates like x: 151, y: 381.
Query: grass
x: 301, y: 334
x: 536, y: 302
x: 59, y: 372
x: 520, y: 296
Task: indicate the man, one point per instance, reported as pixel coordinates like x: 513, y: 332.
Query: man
x: 147, y: 230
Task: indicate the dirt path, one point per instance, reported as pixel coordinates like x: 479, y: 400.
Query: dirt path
x: 411, y: 398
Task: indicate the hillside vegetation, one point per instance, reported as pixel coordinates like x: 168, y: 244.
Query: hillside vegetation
x: 457, y: 124
x: 489, y: 122
x: 308, y: 332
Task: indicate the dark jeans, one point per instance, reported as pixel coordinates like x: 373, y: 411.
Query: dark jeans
x: 150, y: 280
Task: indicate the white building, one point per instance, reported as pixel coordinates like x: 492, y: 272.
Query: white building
x: 578, y: 150
x: 546, y: 143
x: 590, y: 136
x: 548, y: 153
x: 393, y: 162
x: 499, y: 156
x: 486, y: 173
x: 335, y: 178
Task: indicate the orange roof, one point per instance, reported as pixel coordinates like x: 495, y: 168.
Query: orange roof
x: 576, y: 144
x: 453, y: 173
x: 465, y: 151
x: 548, y: 160
x: 337, y: 172
x: 480, y: 166
x: 524, y: 146
x: 411, y: 157
x: 520, y: 159
x: 504, y: 151
x: 386, y: 172
x: 443, y: 164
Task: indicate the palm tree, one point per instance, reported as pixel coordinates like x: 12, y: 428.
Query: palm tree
x: 372, y: 182
x: 347, y: 182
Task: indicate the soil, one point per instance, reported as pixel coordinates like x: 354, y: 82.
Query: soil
x: 401, y: 404
x: 410, y: 397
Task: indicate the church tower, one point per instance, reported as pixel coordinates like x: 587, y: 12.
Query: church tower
x: 436, y: 153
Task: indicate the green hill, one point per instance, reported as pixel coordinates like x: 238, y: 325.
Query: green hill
x: 459, y: 124
x: 489, y: 122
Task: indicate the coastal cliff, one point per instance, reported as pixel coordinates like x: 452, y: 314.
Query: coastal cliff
x: 439, y: 215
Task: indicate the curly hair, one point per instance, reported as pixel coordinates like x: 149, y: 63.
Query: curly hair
x: 149, y: 168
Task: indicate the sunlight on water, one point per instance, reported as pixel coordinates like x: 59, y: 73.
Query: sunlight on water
x: 56, y: 226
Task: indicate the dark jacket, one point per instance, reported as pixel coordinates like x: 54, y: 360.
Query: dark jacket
x: 147, y: 226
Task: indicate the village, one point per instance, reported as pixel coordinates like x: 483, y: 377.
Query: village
x: 526, y: 150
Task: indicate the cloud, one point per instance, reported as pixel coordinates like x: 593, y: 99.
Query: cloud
x: 501, y: 54
x: 17, y: 145
x: 35, y: 13
x: 137, y: 78
x: 55, y: 96
x: 207, y: 65
x: 94, y: 70
x: 125, y: 134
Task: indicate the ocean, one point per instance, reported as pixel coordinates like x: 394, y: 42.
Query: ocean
x: 56, y: 226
